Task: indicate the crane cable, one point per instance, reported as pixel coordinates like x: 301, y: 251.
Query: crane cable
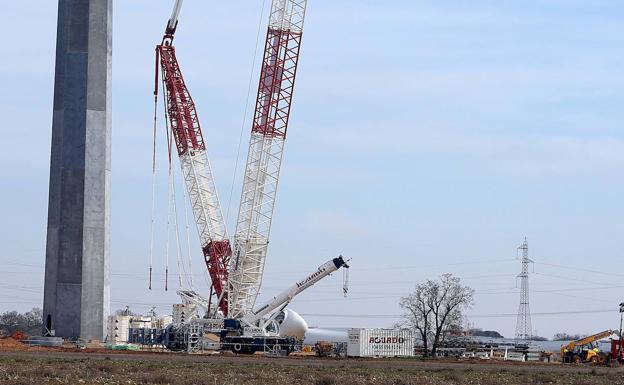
x: 246, y: 110
x: 169, y: 187
x: 172, y: 208
x: 152, y: 222
x: 176, y: 229
x: 188, y: 239
x: 181, y: 266
x: 169, y: 184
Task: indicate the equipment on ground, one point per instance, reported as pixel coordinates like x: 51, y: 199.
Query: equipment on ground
x: 585, y: 350
x: 324, y: 349
x: 327, y: 349
x: 271, y: 328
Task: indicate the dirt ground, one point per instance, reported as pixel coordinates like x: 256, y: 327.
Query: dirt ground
x: 56, y: 367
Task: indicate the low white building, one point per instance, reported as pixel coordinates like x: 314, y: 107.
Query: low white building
x: 118, y: 327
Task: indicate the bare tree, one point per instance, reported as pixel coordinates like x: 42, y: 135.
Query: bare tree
x: 434, y: 307
x: 29, y: 322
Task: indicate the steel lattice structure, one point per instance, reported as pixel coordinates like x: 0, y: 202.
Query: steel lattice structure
x: 266, y: 148
x: 523, y: 324
x: 237, y: 282
x: 186, y: 129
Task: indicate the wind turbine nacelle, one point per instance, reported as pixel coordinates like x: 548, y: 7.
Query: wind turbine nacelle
x: 291, y: 324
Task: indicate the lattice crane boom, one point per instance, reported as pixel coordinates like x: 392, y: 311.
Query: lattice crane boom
x: 266, y: 148
x: 185, y: 127
x: 172, y: 24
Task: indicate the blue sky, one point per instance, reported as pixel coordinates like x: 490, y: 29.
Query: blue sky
x: 426, y: 137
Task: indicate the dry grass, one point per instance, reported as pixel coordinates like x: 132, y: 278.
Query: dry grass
x: 162, y: 371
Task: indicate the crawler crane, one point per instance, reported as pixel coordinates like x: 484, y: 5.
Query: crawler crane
x: 236, y: 272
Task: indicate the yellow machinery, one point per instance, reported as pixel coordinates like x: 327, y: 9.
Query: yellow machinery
x: 324, y: 348
x: 585, y: 350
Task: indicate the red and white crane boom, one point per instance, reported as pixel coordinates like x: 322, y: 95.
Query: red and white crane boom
x: 266, y: 148
x: 185, y: 126
x: 237, y: 282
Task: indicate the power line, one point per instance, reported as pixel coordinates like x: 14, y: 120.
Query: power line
x: 499, y: 315
x: 583, y: 297
x: 472, y: 262
x: 571, y: 279
x: 580, y: 269
x: 379, y: 268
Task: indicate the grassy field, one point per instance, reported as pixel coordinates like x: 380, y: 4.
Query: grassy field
x: 51, y: 368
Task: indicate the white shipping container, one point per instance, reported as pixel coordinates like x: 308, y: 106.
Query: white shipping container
x: 380, y: 343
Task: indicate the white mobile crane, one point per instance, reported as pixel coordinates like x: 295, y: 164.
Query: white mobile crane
x: 271, y: 327
x: 236, y: 274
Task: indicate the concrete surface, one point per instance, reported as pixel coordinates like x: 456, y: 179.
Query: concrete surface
x: 76, y: 298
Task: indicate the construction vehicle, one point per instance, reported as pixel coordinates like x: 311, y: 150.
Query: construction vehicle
x: 271, y: 328
x: 236, y: 268
x: 585, y: 350
x: 272, y: 321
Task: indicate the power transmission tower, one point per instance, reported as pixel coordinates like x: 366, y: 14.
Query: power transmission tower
x: 523, y: 324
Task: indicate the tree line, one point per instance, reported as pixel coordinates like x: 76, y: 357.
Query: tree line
x: 30, y: 322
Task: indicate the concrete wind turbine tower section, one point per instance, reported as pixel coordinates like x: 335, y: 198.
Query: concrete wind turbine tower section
x: 76, y: 297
